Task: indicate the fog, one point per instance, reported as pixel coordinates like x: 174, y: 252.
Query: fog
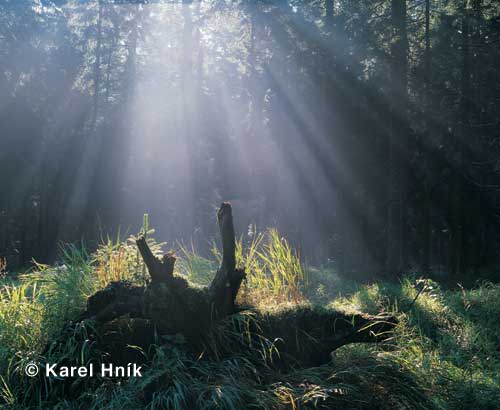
x: 112, y: 110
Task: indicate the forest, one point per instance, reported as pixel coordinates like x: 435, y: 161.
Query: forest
x: 263, y: 204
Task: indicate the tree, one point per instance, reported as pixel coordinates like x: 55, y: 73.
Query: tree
x: 398, y: 156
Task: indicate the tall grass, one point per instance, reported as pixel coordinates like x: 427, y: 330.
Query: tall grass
x: 445, y: 340
x: 275, y: 272
x: 443, y: 355
x: 119, y: 259
x: 281, y: 270
x: 196, y: 268
x: 21, y: 316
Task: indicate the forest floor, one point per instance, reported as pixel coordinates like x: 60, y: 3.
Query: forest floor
x: 444, y: 353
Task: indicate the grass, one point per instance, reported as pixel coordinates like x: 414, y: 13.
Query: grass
x: 275, y: 273
x: 444, y: 353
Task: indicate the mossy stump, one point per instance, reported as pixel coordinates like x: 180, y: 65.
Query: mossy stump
x: 129, y: 315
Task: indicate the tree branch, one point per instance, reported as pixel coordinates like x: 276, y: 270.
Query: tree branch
x: 160, y: 270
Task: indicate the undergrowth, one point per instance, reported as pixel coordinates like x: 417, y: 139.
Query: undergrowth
x: 444, y: 353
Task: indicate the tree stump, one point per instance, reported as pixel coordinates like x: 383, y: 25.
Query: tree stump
x: 169, y: 306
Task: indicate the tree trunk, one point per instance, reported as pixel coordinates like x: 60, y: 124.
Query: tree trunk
x: 427, y: 222
x: 479, y: 244
x: 97, y: 65
x: 458, y: 195
x: 329, y: 13
x: 397, y: 141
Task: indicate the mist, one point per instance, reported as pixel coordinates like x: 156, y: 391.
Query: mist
x: 313, y: 119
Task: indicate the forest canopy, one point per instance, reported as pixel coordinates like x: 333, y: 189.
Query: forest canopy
x: 367, y: 131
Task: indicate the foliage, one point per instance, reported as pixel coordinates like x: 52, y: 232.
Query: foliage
x: 298, y: 101
x: 275, y: 272
x: 194, y: 266
x: 121, y: 261
x: 443, y: 354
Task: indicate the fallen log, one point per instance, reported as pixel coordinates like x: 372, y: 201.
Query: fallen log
x: 307, y: 336
x: 169, y: 306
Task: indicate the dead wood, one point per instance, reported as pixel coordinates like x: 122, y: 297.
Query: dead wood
x: 169, y: 306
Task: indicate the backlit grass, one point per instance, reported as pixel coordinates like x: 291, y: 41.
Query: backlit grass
x: 444, y: 352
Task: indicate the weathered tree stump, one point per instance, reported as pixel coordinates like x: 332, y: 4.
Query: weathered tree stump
x: 169, y: 306
x: 226, y: 284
